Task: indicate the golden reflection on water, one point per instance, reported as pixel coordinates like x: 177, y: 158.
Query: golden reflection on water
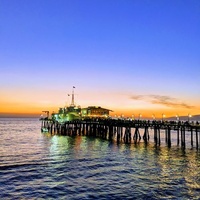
x: 32, y: 162
x: 171, y: 164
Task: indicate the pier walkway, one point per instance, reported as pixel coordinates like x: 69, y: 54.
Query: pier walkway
x: 127, y: 131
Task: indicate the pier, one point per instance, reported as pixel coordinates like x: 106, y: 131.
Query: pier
x: 127, y: 131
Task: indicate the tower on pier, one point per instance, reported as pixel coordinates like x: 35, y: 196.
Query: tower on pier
x: 72, y: 103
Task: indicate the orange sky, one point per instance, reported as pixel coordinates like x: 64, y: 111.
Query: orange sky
x: 33, y: 102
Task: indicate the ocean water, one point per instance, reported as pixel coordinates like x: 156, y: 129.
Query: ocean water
x: 35, y: 165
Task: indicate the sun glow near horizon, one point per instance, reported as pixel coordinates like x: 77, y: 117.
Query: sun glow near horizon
x: 119, y: 104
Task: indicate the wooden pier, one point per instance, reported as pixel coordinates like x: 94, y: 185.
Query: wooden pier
x: 127, y: 131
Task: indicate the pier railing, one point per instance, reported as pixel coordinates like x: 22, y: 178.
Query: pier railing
x: 126, y: 130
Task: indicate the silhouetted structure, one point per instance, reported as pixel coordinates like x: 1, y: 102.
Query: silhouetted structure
x: 125, y: 130
x: 73, y: 112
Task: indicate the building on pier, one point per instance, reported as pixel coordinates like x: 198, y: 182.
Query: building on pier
x: 73, y: 112
x: 95, y: 111
x: 67, y: 114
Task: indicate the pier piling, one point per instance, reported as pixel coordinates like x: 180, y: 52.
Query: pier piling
x: 121, y: 130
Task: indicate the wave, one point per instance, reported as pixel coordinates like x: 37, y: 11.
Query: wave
x: 13, y: 166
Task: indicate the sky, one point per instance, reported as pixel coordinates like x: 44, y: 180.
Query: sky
x: 131, y: 56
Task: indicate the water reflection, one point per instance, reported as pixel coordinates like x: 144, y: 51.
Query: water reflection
x: 81, y: 167
x: 168, y: 168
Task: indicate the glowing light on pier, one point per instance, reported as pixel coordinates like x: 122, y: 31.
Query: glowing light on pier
x: 163, y: 116
x: 189, y: 116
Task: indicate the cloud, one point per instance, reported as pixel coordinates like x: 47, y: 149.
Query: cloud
x: 137, y: 97
x: 162, y: 100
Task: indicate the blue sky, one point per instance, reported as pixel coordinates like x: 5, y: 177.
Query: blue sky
x: 110, y: 50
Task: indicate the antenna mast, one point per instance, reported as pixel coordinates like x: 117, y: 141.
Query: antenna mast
x: 72, y: 103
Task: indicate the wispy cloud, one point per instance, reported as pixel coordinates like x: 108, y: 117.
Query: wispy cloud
x: 162, y: 100
x: 138, y: 97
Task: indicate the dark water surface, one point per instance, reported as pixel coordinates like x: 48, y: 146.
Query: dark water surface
x: 34, y: 165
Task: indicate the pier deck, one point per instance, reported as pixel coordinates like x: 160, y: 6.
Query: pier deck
x: 127, y: 130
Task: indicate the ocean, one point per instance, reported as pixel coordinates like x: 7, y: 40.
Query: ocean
x: 35, y: 165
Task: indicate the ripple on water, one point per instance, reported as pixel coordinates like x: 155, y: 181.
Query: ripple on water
x: 41, y: 166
